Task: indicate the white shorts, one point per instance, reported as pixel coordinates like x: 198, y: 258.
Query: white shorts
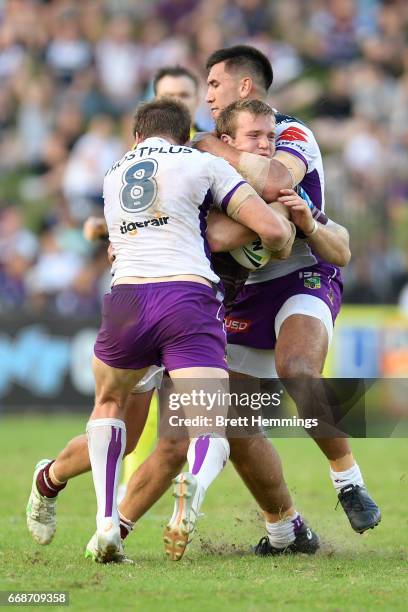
x: 151, y: 380
x: 260, y: 363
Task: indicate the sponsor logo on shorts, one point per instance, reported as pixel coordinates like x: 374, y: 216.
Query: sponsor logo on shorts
x: 311, y: 280
x: 131, y: 227
x: 237, y: 326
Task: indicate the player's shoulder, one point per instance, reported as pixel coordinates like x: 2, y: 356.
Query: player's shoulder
x: 129, y: 156
x: 292, y: 128
x: 215, y: 163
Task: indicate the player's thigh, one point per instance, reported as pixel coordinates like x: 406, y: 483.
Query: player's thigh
x: 301, y: 346
x: 114, y: 384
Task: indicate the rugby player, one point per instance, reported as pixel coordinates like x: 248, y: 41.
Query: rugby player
x: 177, y: 83
x: 172, y: 285
x: 180, y: 84
x: 290, y: 307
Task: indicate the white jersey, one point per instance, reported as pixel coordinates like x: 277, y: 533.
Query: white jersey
x: 157, y: 199
x: 296, y: 138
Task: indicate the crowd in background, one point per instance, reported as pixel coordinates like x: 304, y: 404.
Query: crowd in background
x: 71, y: 74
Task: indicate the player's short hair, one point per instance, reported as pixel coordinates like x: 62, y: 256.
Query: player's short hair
x: 173, y: 71
x: 227, y: 120
x: 164, y: 117
x: 244, y: 58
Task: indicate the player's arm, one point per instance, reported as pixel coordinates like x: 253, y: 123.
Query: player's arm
x: 95, y: 228
x: 267, y: 176
x: 330, y: 241
x: 225, y: 234
x: 246, y: 207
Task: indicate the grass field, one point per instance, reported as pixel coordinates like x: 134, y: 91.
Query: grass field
x: 219, y: 572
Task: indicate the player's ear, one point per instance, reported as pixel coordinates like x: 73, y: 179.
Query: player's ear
x: 137, y: 138
x: 245, y: 87
x: 227, y: 139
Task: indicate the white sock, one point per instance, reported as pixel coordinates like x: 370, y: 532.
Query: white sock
x: 106, y: 443
x: 283, y: 532
x: 207, y: 456
x: 352, y: 476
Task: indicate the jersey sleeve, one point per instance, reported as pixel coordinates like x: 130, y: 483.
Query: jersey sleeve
x: 297, y: 139
x: 224, y: 180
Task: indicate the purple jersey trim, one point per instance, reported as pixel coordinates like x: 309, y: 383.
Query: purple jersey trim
x: 293, y: 152
x: 202, y: 216
x: 313, y: 187
x: 226, y: 200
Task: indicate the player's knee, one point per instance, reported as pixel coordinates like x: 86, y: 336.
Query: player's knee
x: 296, y: 367
x: 107, y: 408
x: 242, y: 448
x: 173, y: 452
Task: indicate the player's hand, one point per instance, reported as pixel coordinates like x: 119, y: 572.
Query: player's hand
x: 111, y: 254
x: 287, y: 249
x: 94, y: 228
x: 299, y: 210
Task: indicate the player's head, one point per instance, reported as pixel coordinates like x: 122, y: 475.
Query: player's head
x: 178, y: 83
x: 248, y: 125
x: 235, y: 73
x: 165, y: 117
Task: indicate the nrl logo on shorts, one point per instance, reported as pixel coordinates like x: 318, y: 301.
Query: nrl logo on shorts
x: 312, y: 283
x: 311, y: 280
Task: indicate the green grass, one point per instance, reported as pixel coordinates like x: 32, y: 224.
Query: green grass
x: 352, y: 572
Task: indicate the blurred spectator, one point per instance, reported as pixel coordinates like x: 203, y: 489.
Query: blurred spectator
x: 88, y: 162
x: 34, y: 119
x: 15, y: 239
x: 119, y: 63
x: 68, y: 52
x: 53, y: 272
x: 335, y: 29
x: 18, y: 250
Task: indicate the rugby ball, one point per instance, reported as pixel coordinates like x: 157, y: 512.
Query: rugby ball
x: 252, y: 256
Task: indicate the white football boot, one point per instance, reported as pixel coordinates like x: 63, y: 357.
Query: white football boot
x: 40, y: 511
x: 106, y: 546
x: 179, y: 531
